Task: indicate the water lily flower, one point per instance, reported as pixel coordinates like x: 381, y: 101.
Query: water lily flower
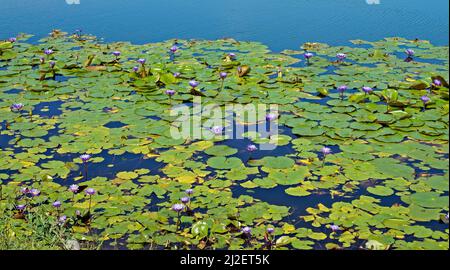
x: 232, y: 56
x: 270, y: 230
x: 247, y: 231
x: 25, y: 191
x: 437, y: 83
x: 217, y: 130
x: 85, y: 158
x: 326, y: 151
x: 189, y: 191
x: 308, y: 55
x: 271, y: 117
x: 410, y: 52
x: 342, y: 88
x: 223, y: 75
x: 135, y: 69
x: 12, y: 39
x: 48, y: 51
x: 57, y: 204
x: 252, y: 148
x: 62, y: 220
x: 425, y: 100
x: 74, y: 188
x: 21, y: 207
x: 185, y: 200
x: 90, y: 191
x: 174, y: 49
x: 35, y: 192
x: 194, y: 84
x: 367, y: 90
x: 335, y: 228
x: 16, y: 107
x: 170, y: 92
x: 178, y: 207
x: 141, y: 61
x: 341, y: 56
x: 42, y: 60
x: 52, y: 64
x: 177, y: 74
x: 116, y: 53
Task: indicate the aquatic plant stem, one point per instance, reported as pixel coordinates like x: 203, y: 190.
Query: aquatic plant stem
x: 85, y: 171
x: 90, y: 204
x: 178, y: 221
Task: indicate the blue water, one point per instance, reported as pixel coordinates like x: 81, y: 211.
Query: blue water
x: 283, y: 24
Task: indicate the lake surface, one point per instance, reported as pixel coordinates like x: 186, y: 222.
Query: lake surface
x: 280, y: 24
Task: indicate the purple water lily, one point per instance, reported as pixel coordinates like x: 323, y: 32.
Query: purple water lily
x: 48, y: 52
x: 74, y: 188
x: 335, y: 228
x: 308, y: 56
x: 217, y: 130
x: 174, y: 49
x: 85, y: 158
x: 252, y: 148
x: 367, y: 90
x: 42, y: 60
x: 189, y: 192
x: 270, y: 230
x: 410, y: 52
x: 223, y: 75
x: 425, y: 99
x: 141, y: 61
x: 170, y: 92
x: 21, y: 207
x: 342, y: 88
x: 52, y: 64
x: 90, y: 192
x: 116, y: 53
x: 247, y: 231
x: 185, y: 200
x: 271, y: 117
x: 62, y: 220
x: 12, y: 39
x: 437, y: 83
x: 194, y: 84
x: 57, y: 204
x: 135, y: 69
x: 35, y: 192
x: 341, y: 56
x: 326, y: 151
x: 178, y: 207
x: 177, y: 74
x: 16, y: 107
x: 232, y: 56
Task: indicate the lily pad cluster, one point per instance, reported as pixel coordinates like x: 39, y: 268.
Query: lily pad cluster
x: 361, y: 166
